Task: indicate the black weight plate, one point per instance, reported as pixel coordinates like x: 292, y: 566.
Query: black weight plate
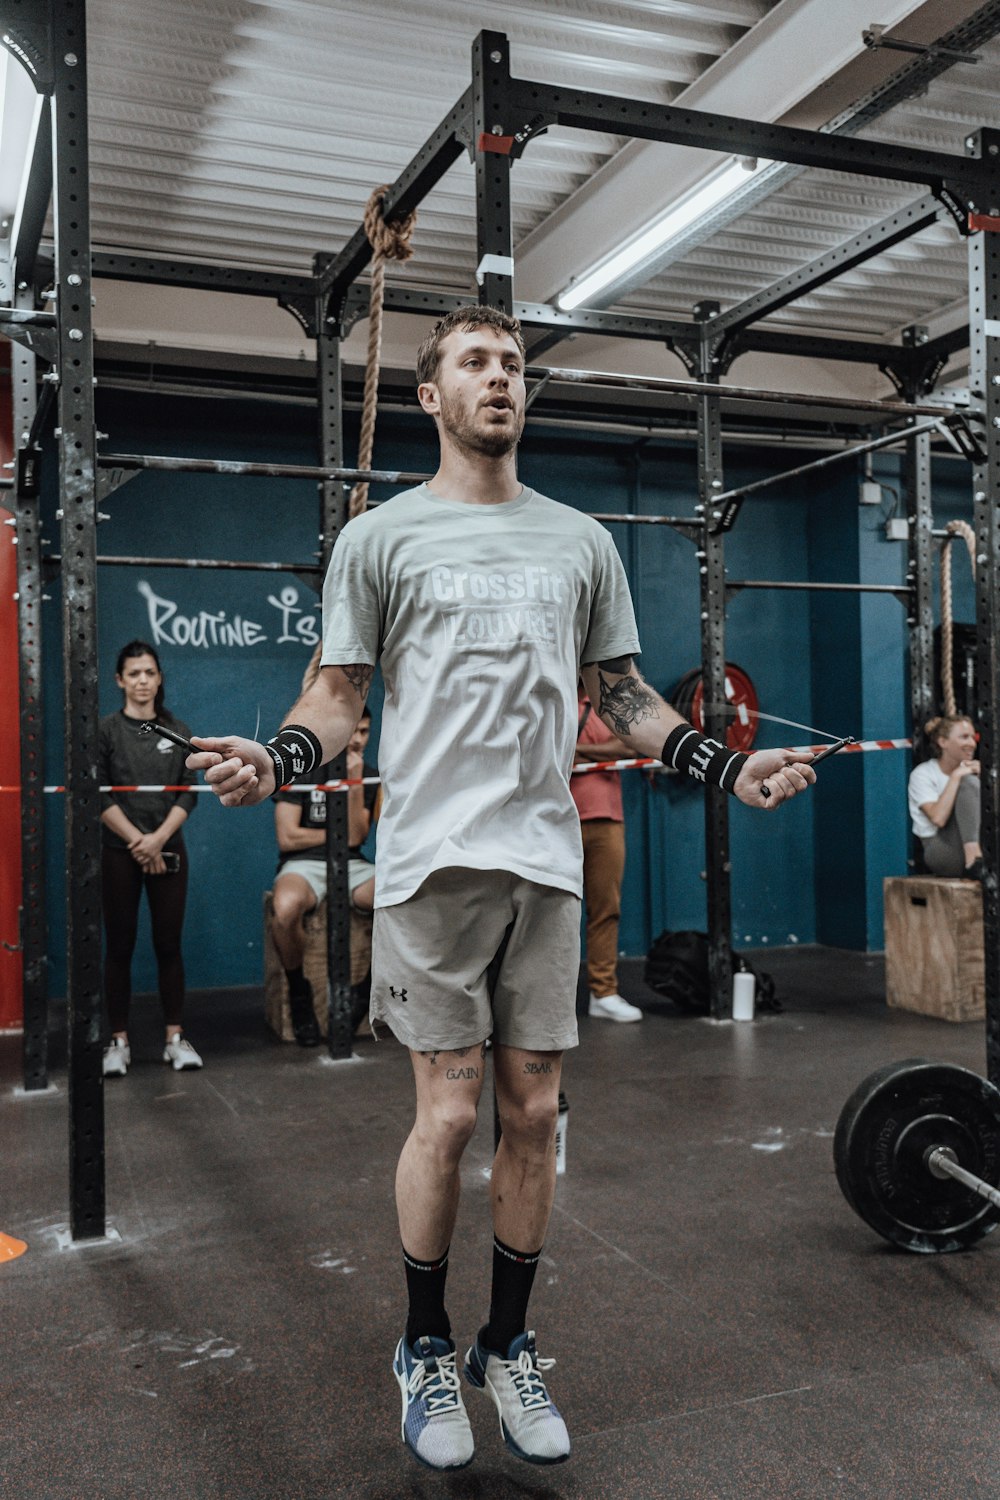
x: 683, y: 688
x: 887, y: 1127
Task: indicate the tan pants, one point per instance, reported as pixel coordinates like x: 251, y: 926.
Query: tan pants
x: 603, y: 867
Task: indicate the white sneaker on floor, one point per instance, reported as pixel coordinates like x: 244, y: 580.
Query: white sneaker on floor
x: 117, y: 1056
x: 613, y: 1008
x: 180, y: 1053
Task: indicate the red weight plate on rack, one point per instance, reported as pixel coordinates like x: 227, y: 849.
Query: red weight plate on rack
x: 741, y: 695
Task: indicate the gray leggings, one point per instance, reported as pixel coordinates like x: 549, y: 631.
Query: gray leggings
x: 944, y: 853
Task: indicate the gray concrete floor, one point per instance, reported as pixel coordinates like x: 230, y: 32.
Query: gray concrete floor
x: 725, y: 1327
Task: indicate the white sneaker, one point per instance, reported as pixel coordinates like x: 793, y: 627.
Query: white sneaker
x: 117, y: 1056
x: 435, y: 1427
x: 529, y: 1419
x: 181, y: 1054
x: 613, y: 1008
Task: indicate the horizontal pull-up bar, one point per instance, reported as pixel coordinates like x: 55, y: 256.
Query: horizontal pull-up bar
x: 900, y: 590
x: 629, y: 520
x: 885, y: 441
x: 733, y: 135
x: 175, y: 465
x: 653, y: 383
x: 196, y: 562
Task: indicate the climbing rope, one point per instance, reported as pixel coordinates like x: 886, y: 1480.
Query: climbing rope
x: 955, y: 530
x: 388, y: 242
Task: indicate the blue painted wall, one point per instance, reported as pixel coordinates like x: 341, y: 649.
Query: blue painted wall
x: 235, y: 644
x: 884, y: 688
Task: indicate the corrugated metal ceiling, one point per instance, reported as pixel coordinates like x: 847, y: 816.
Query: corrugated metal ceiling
x: 924, y: 277
x: 251, y: 132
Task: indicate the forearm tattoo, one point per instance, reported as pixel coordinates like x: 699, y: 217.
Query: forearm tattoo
x: 359, y: 675
x: 625, y: 702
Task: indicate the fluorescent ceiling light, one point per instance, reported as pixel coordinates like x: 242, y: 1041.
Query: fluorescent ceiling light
x: 707, y: 195
x: 4, y: 58
x: 27, y: 158
x: 20, y: 112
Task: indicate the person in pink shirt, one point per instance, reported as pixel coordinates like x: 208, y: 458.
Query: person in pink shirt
x: 598, y: 798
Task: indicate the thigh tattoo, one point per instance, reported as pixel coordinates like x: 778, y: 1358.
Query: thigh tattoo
x: 466, y: 1065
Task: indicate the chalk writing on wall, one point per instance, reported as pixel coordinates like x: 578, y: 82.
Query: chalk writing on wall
x: 296, y: 624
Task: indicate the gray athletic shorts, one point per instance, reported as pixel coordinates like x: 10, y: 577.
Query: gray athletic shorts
x: 313, y: 872
x: 431, y: 955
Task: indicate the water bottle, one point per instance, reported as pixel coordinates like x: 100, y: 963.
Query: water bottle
x: 562, y: 1120
x: 744, y: 992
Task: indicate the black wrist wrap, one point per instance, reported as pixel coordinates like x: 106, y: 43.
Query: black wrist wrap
x: 295, y: 751
x: 706, y: 760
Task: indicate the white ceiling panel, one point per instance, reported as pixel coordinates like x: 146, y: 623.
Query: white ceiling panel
x: 283, y: 115
x: 919, y: 281
x: 251, y: 133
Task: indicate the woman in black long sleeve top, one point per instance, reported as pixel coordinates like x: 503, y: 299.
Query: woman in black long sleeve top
x: 143, y: 847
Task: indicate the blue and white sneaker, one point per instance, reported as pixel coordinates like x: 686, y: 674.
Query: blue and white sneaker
x: 435, y: 1426
x: 529, y: 1420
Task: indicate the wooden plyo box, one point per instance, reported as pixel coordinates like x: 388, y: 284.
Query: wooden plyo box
x: 276, y: 1012
x: 934, y: 947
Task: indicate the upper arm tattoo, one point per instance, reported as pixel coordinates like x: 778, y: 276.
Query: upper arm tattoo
x: 625, y: 702
x: 359, y: 675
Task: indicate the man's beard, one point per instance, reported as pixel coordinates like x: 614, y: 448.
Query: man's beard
x: 462, y: 429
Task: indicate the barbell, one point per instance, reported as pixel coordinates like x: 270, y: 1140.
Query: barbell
x: 917, y: 1154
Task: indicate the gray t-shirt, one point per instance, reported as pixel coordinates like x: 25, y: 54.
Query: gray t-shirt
x: 480, y: 616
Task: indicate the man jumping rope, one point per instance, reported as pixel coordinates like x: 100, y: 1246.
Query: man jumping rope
x: 480, y: 599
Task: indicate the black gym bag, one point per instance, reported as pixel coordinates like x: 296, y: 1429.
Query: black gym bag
x: 677, y: 969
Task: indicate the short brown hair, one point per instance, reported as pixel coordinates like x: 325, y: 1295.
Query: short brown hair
x: 466, y: 320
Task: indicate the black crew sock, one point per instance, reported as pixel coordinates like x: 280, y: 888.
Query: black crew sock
x: 425, y: 1279
x: 296, y: 981
x: 513, y: 1275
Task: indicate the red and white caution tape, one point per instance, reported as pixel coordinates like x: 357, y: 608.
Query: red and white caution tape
x: 319, y: 786
x: 626, y: 765
x: 640, y: 763
x: 617, y: 765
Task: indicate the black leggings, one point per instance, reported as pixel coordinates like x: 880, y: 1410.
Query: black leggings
x: 122, y: 880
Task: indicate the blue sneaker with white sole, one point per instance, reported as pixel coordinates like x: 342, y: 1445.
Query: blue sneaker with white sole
x: 530, y: 1421
x: 435, y: 1426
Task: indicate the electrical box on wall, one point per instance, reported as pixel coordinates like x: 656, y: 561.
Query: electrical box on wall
x: 870, y: 493
x: 897, y: 529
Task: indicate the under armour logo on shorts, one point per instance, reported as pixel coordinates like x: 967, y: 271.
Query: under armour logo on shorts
x: 397, y: 995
